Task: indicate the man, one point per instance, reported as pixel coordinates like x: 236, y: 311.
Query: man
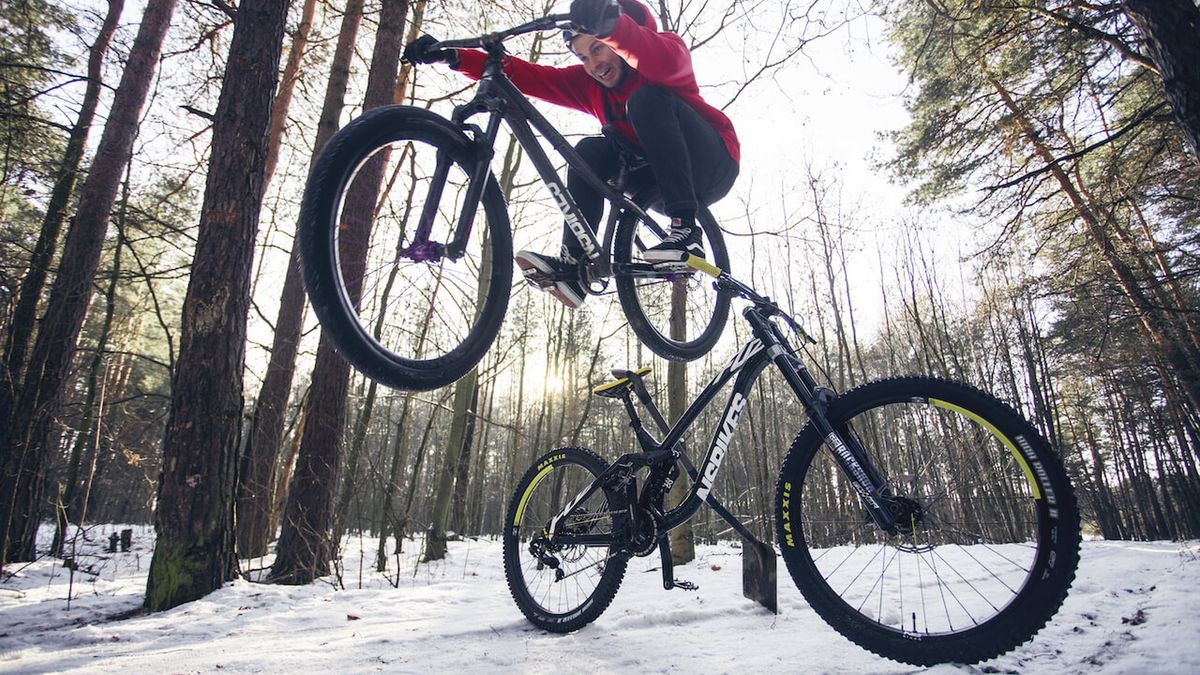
x: 639, y: 81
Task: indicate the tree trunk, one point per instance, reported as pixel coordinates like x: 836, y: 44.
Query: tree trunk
x: 466, y: 396
x: 387, y: 518
x: 22, y: 437
x: 415, y: 483
x: 1157, y: 328
x: 458, y: 511
x: 288, y: 462
x: 194, y: 552
x: 86, y: 441
x: 683, y: 544
x: 255, y: 489
x: 25, y: 314
x: 287, y: 87
x: 304, y: 547
x: 358, y: 441
x: 465, y: 393
x: 1171, y: 30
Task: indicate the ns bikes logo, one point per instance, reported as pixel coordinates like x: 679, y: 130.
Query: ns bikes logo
x: 736, y: 404
x: 752, y: 347
x: 725, y: 433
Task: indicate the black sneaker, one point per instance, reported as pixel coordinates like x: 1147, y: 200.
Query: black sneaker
x: 682, y: 240
x: 557, y: 274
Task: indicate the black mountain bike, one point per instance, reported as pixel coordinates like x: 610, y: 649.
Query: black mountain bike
x: 410, y: 277
x: 922, y: 519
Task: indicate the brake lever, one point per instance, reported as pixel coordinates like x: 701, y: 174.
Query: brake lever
x: 798, y: 328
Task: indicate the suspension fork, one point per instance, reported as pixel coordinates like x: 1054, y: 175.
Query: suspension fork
x: 849, y: 454
x: 483, y: 143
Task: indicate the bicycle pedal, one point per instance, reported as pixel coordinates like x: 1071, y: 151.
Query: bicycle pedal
x: 537, y: 279
x: 685, y: 585
x: 674, y: 266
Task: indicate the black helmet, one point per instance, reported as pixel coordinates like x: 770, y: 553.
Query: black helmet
x: 568, y: 35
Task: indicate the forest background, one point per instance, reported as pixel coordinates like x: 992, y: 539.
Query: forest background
x: 159, y: 366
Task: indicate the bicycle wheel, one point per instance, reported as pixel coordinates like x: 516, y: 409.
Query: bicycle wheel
x: 406, y: 313
x: 989, y: 541
x: 678, y: 315
x: 562, y: 588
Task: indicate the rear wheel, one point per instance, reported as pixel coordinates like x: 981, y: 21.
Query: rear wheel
x: 409, y: 314
x: 677, y: 314
x: 988, y: 538
x: 561, y: 587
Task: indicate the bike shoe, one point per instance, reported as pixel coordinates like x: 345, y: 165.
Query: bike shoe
x: 684, y: 239
x: 557, y: 274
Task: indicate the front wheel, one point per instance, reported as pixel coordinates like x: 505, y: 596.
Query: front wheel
x: 677, y: 315
x: 988, y: 535
x: 559, y: 585
x: 405, y: 309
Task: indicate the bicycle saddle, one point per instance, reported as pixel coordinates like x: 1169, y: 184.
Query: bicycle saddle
x: 621, y: 385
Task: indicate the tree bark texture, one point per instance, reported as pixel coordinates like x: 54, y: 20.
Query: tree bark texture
x: 1171, y: 30
x: 304, y: 549
x: 87, y: 441
x: 26, y: 414
x: 287, y: 87
x: 682, y: 541
x: 257, y: 481
x: 465, y: 394
x: 194, y: 553
x: 304, y: 545
x: 25, y: 314
x: 458, y: 509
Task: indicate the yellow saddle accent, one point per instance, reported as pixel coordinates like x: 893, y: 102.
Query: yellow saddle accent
x: 620, y: 385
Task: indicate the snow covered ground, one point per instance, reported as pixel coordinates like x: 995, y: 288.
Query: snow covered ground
x: 1133, y: 609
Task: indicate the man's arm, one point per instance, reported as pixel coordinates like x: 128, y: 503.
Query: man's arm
x: 662, y: 58
x: 560, y: 86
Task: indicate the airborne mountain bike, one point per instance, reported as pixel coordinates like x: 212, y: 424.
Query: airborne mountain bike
x: 923, y: 519
x: 406, y: 242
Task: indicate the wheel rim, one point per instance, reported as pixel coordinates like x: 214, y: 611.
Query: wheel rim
x: 972, y: 535
x: 413, y: 305
x: 679, y: 307
x: 582, y: 567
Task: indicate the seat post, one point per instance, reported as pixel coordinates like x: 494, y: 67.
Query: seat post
x: 648, y: 442
x: 639, y: 388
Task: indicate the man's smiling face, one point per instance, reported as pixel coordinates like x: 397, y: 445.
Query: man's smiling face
x: 600, y: 61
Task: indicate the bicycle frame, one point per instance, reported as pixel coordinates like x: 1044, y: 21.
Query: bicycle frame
x: 497, y: 96
x: 768, y: 345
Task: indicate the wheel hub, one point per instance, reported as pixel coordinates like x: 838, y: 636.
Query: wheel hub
x: 910, y: 518
x: 908, y: 512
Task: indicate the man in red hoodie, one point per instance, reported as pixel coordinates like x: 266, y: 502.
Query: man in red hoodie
x: 639, y: 81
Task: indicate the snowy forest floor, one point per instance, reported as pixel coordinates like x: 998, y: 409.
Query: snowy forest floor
x: 1133, y: 609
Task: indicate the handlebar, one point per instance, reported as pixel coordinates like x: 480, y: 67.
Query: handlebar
x: 548, y: 22
x: 727, y: 284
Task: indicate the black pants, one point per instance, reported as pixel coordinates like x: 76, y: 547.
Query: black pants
x: 687, y: 159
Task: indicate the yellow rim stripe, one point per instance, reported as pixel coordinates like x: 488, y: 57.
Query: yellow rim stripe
x: 529, y: 490
x: 702, y: 265
x: 1037, y: 493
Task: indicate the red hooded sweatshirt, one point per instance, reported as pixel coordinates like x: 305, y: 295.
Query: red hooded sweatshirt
x: 654, y: 58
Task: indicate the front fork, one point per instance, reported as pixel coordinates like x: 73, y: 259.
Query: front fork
x: 422, y: 248
x: 843, y: 443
